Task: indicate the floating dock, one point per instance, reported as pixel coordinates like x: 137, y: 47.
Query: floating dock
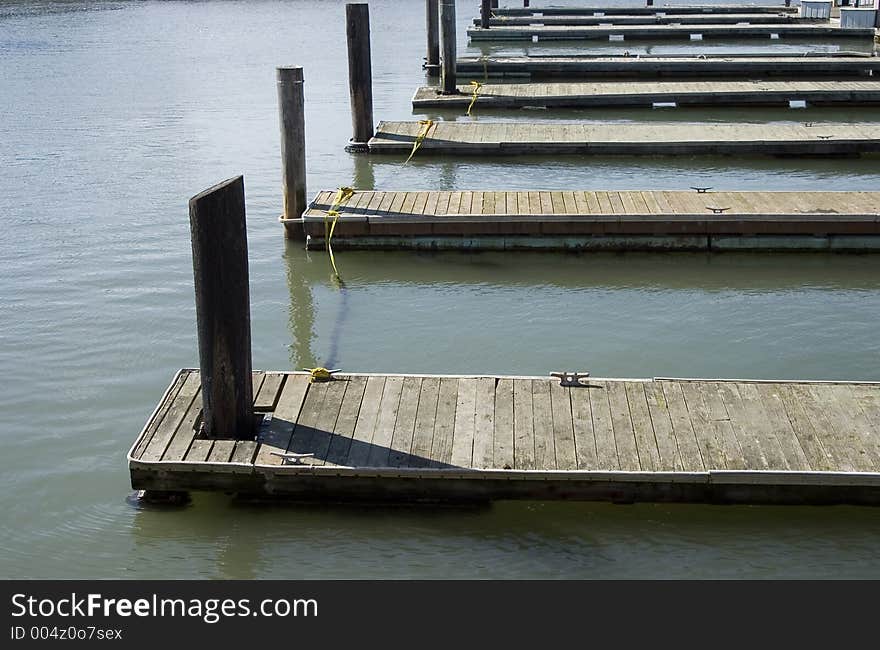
x: 684, y: 10
x: 591, y: 220
x: 674, y: 32
x: 651, y: 93
x: 435, y: 438
x: 660, y: 138
x: 846, y: 65
x: 654, y: 19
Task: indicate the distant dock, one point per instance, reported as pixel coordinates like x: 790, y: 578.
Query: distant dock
x: 670, y: 10
x: 661, y: 138
x: 599, y: 220
x: 839, y: 66
x: 651, y: 93
x: 673, y: 32
x: 653, y: 19
x: 435, y: 438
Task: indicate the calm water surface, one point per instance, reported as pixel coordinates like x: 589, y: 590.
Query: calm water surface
x: 112, y: 114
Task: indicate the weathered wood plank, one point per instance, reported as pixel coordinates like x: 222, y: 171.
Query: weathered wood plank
x: 404, y: 427
x: 444, y: 423
x: 603, y: 429
x: 340, y: 444
x: 545, y: 446
x: 464, y: 427
x: 523, y: 425
x: 175, y: 414
x: 563, y: 427
x: 643, y: 427
x: 276, y: 439
x: 423, y: 432
x: 484, y: 423
x: 367, y: 419
x: 622, y: 423
x: 582, y: 422
x: 380, y: 446
x: 664, y: 434
x: 504, y: 439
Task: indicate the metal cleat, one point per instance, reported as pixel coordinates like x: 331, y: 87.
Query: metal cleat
x: 293, y: 459
x: 567, y: 378
x: 701, y: 190
x: 717, y: 210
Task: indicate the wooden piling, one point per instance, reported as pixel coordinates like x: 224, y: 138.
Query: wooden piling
x: 485, y: 13
x: 432, y: 20
x: 448, y: 48
x: 291, y: 114
x: 220, y: 271
x: 360, y: 74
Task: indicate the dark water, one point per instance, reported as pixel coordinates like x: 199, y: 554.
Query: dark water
x: 112, y: 114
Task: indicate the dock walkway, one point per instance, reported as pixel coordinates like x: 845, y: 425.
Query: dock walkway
x: 675, y: 32
x: 484, y: 437
x: 654, y: 19
x: 670, y: 10
x: 845, y: 65
x: 660, y: 138
x: 648, y: 93
x: 599, y: 220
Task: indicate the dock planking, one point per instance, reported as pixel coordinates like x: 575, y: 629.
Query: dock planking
x: 671, y: 31
x: 658, y: 138
x: 428, y: 437
x: 683, y: 10
x: 616, y: 220
x: 647, y: 93
x: 779, y: 66
x: 653, y: 19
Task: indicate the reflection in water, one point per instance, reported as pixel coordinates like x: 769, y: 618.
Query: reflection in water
x: 301, y: 313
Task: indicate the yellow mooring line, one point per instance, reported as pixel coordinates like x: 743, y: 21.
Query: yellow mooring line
x: 426, y: 125
x: 343, y: 194
x: 477, y: 86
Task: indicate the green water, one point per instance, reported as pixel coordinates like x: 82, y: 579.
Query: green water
x: 112, y: 114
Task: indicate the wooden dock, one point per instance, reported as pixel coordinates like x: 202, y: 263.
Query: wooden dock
x: 670, y: 10
x: 591, y: 220
x: 654, y: 19
x: 660, y: 138
x: 434, y: 438
x: 847, y: 65
x: 650, y: 93
x: 674, y: 32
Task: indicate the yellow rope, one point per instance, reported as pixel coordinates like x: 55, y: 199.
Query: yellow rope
x: 343, y: 194
x: 319, y: 374
x: 477, y: 86
x: 426, y: 125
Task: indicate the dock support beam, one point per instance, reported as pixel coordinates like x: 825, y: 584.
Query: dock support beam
x: 448, y: 48
x: 223, y: 311
x: 432, y: 23
x: 485, y: 14
x: 291, y: 116
x: 360, y: 74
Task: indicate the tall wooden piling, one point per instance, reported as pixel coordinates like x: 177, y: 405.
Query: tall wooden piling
x: 291, y: 114
x: 220, y: 271
x: 448, y: 48
x: 485, y: 13
x: 432, y: 24
x: 360, y: 74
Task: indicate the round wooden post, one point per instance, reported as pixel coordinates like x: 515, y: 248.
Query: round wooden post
x: 448, y: 48
x: 525, y: 3
x: 291, y: 115
x: 432, y: 20
x: 485, y: 13
x: 494, y: 4
x: 223, y: 311
x: 360, y: 74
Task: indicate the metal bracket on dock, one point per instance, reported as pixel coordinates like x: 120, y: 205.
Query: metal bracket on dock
x: 567, y: 378
x: 292, y: 459
x: 717, y: 210
x: 701, y: 190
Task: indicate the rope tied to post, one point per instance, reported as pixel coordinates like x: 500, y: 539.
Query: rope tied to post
x: 477, y: 87
x: 343, y: 194
x: 426, y: 126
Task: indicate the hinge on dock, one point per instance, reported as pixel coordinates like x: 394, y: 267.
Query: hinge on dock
x: 293, y: 459
x: 567, y: 378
